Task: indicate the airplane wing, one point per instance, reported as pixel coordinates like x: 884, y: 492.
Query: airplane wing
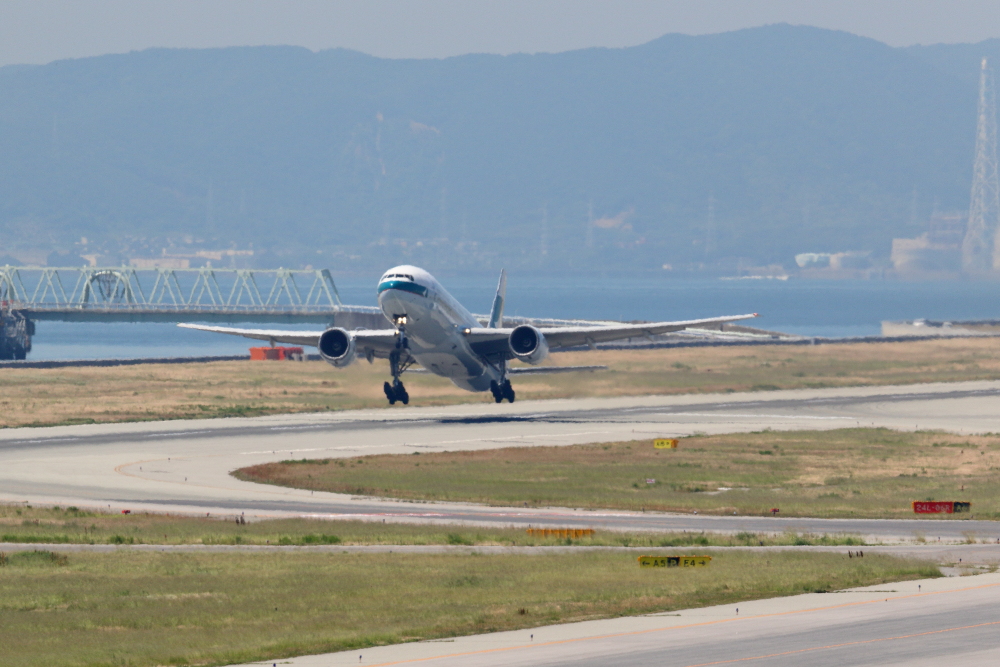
x: 379, y: 341
x: 494, y: 341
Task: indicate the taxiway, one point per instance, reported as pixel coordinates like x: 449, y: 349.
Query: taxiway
x: 184, y: 466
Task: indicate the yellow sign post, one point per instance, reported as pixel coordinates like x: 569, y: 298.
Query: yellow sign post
x: 674, y: 561
x: 665, y: 443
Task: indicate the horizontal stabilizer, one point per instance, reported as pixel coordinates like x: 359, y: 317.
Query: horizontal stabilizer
x: 540, y: 370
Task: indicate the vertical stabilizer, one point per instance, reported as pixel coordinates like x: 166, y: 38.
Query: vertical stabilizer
x: 496, y: 315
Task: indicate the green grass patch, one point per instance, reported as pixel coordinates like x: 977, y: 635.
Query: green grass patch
x: 138, y: 609
x: 55, y: 525
x: 871, y: 473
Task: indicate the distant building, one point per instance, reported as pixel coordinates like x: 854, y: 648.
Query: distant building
x: 834, y: 260
x: 813, y: 260
x: 939, y: 251
x: 201, y: 258
x: 159, y: 263
x: 850, y: 260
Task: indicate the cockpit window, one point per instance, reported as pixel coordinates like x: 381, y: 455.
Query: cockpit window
x: 400, y: 275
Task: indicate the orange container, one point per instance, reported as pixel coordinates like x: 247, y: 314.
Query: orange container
x: 276, y: 353
x: 265, y: 353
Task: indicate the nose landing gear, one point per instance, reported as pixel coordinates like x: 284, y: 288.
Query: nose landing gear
x: 399, y: 361
x: 502, y: 390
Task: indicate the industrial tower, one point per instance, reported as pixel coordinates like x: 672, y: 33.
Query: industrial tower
x: 981, y: 247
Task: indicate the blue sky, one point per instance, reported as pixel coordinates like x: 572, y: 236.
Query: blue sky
x: 39, y: 31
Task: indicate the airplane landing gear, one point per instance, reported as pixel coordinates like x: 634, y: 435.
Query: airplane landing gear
x: 396, y: 392
x: 508, y: 391
x: 501, y: 391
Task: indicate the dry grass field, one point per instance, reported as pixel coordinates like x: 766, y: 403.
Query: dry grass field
x: 71, y: 525
x: 872, y: 473
x: 146, y: 608
x: 39, y: 397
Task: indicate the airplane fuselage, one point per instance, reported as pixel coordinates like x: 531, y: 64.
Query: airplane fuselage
x: 433, y: 322
x: 431, y: 328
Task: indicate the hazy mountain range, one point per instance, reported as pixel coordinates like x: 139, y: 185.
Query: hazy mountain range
x: 756, y: 144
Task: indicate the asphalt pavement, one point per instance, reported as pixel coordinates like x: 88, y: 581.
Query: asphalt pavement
x: 184, y: 466
x: 923, y: 623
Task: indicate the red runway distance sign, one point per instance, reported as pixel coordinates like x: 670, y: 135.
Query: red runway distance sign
x: 940, y: 506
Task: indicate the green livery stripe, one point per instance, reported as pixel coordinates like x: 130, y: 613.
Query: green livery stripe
x: 404, y: 285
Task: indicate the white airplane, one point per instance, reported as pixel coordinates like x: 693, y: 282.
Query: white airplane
x: 434, y: 330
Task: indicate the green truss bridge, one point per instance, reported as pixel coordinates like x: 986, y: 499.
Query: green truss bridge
x: 126, y: 294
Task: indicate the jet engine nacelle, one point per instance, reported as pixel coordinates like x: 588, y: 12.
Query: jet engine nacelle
x: 336, y: 346
x: 528, y: 344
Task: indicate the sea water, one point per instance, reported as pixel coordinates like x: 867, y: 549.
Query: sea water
x: 828, y: 308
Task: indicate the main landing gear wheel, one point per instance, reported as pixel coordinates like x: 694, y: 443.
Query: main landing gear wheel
x: 508, y: 391
x: 397, y: 364
x: 502, y: 391
x: 396, y: 392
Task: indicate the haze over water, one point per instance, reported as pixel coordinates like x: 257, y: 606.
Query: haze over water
x: 828, y: 308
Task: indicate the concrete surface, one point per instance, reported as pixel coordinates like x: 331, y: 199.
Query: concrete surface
x: 918, y: 623
x: 184, y: 466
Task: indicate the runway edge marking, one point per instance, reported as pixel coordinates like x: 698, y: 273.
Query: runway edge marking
x: 833, y: 646
x: 688, y: 625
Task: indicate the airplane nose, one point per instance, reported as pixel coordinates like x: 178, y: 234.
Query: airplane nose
x: 391, y: 302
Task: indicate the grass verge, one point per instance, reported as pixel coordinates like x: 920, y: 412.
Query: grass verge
x: 211, y: 609
x: 40, y: 525
x: 871, y: 473
x: 41, y: 397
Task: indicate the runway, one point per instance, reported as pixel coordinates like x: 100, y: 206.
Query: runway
x: 916, y: 623
x: 184, y: 466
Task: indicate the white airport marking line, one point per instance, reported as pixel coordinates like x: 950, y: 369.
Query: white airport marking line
x: 750, y: 416
x: 48, y: 440
x: 587, y: 637
x: 451, y: 515
x: 507, y: 439
x: 435, y: 444
x: 314, y: 449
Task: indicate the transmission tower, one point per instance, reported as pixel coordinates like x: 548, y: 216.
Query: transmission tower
x: 980, y: 251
